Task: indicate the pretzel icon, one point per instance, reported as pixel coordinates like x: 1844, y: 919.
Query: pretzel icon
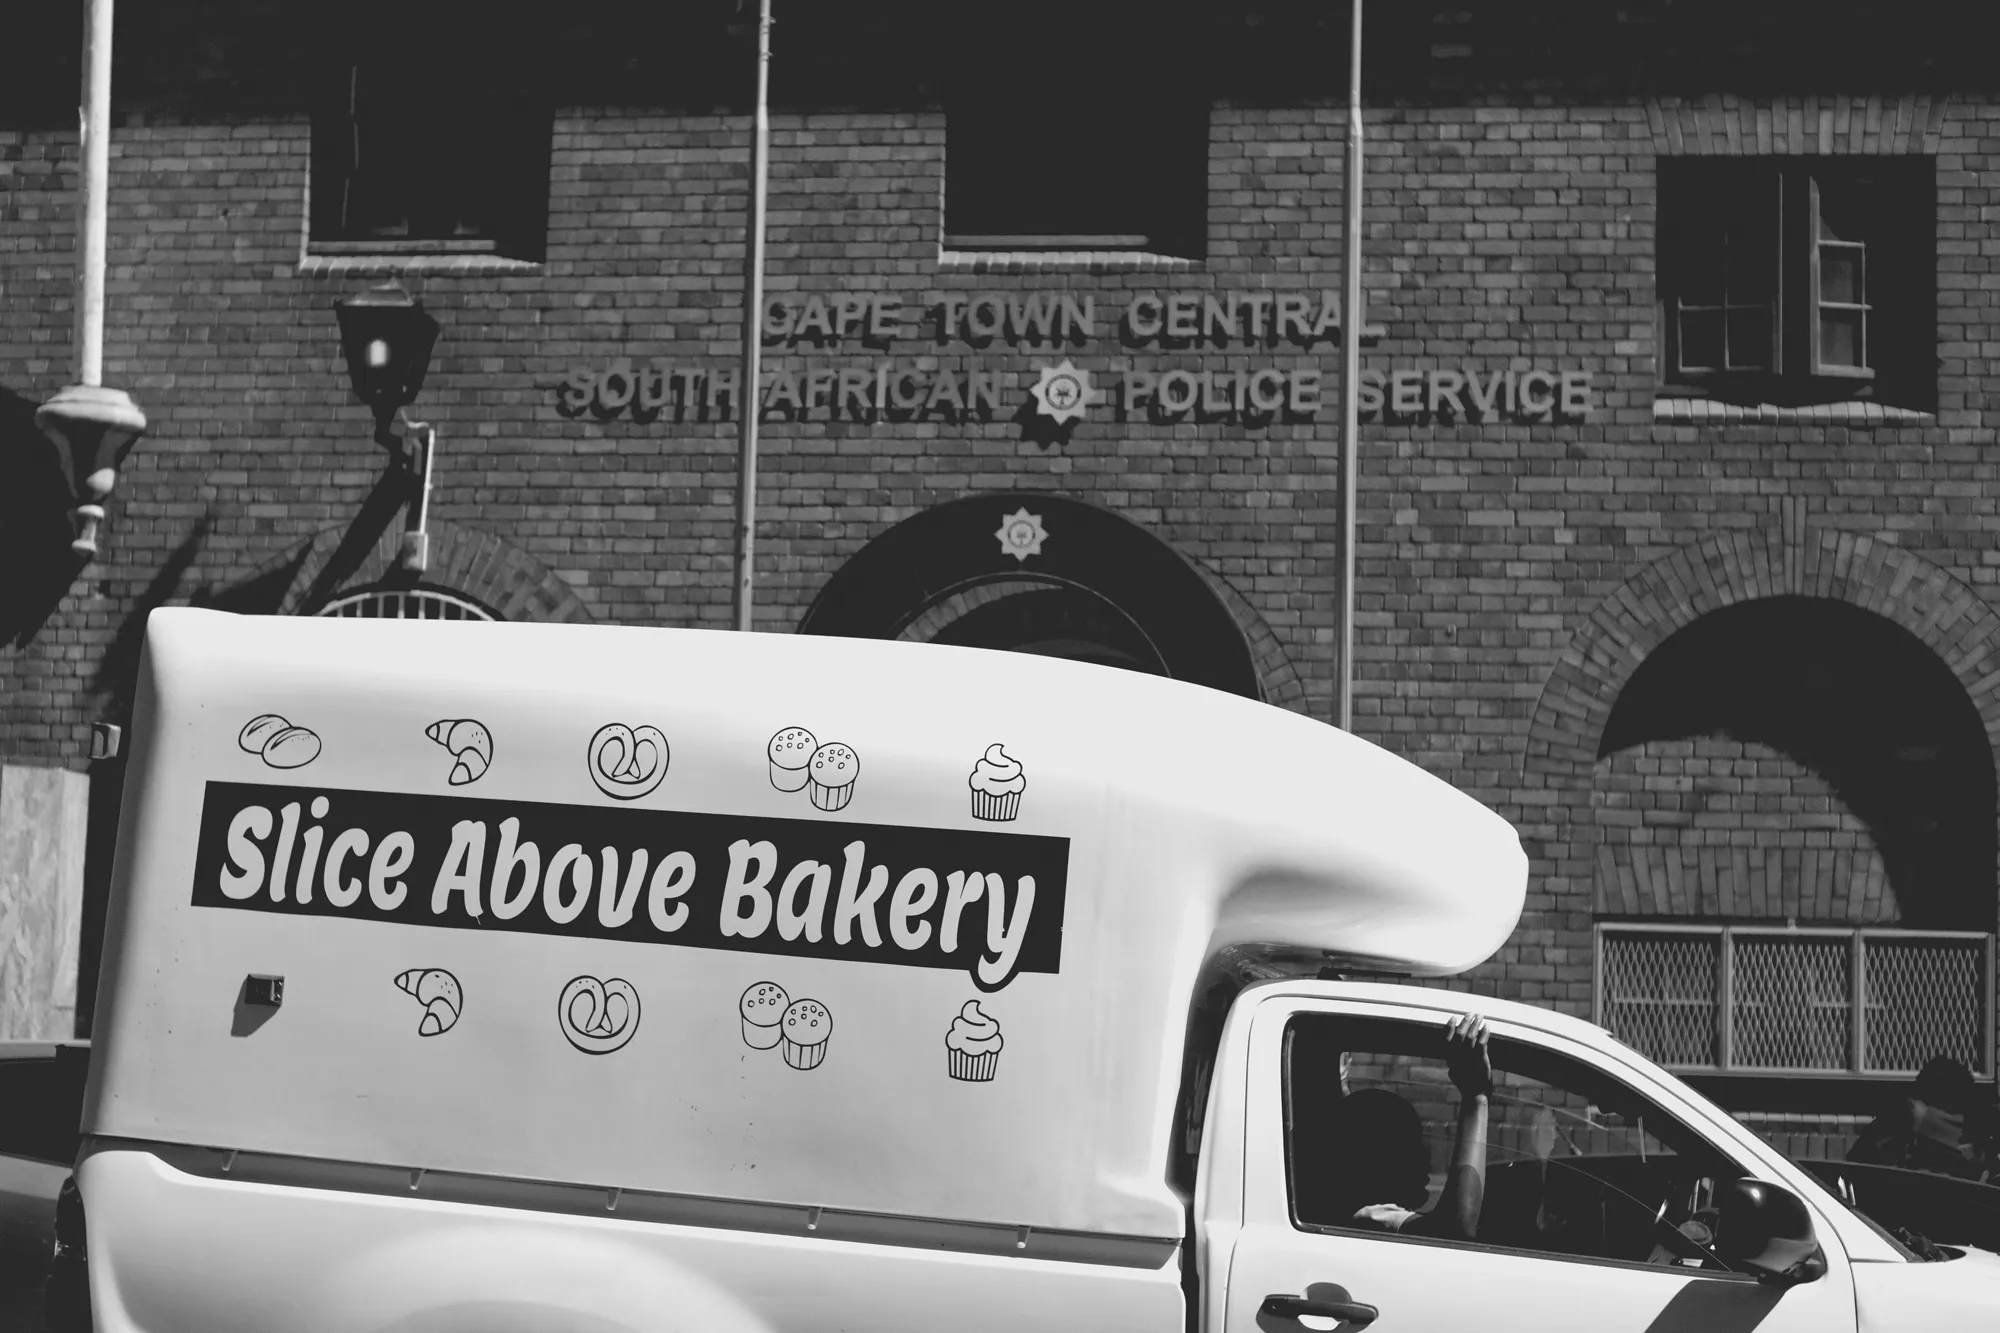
x: 627, y: 762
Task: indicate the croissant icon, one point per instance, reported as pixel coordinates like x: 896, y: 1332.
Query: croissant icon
x: 470, y: 743
x: 439, y: 993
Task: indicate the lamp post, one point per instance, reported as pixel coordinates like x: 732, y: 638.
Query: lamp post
x: 749, y: 402
x: 1350, y: 369
x: 387, y: 338
x: 92, y: 426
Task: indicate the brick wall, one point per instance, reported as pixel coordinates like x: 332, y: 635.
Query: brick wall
x: 1499, y: 237
x: 1723, y: 828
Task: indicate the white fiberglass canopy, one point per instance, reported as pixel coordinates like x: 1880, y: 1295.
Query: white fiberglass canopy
x: 872, y: 925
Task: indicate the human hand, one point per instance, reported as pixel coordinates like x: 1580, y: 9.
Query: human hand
x: 1465, y: 1055
x: 1384, y: 1216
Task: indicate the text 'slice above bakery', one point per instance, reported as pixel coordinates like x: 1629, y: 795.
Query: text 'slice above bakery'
x: 983, y: 900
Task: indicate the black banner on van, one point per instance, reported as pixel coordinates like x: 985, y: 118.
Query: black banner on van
x: 989, y: 903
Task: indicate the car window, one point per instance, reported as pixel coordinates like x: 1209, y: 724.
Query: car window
x: 1576, y: 1163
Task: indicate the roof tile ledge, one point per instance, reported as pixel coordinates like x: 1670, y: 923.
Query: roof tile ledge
x: 1063, y: 261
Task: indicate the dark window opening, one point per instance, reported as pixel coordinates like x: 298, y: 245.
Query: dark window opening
x: 1799, y: 280
x: 1075, y: 127
x: 1058, y: 622
x: 438, y: 143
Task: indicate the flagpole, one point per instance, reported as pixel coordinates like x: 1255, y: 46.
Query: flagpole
x: 1350, y: 369
x: 748, y: 399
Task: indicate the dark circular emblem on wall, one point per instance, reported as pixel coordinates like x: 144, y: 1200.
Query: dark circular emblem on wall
x: 1055, y: 545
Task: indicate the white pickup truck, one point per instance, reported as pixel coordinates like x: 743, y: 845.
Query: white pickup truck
x: 498, y: 978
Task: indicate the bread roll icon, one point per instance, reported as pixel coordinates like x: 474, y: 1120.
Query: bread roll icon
x: 278, y: 742
x: 259, y: 730
x: 470, y: 743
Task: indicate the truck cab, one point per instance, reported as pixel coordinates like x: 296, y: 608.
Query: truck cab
x: 495, y: 977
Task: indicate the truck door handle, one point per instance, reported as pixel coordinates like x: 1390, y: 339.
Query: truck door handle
x: 1291, y: 1307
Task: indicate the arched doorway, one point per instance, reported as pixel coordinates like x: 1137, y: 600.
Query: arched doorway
x: 1054, y: 619
x: 1828, y: 728
x: 1767, y: 759
x: 1044, y: 574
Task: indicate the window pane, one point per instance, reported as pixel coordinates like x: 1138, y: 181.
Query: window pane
x: 1751, y: 277
x: 1577, y: 1163
x: 1660, y: 994
x: 1841, y: 216
x: 1925, y: 997
x: 1840, y: 274
x: 1840, y: 338
x: 1701, y: 270
x: 1701, y: 340
x: 1750, y: 339
x: 1792, y: 1001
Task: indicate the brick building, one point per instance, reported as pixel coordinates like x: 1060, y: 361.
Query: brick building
x: 1676, y: 492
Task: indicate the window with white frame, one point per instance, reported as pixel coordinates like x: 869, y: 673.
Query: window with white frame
x: 1799, y: 280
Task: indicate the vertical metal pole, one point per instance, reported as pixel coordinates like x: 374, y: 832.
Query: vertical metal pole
x: 1725, y: 988
x: 94, y: 171
x: 1857, y: 1032
x: 748, y: 399
x: 1350, y: 369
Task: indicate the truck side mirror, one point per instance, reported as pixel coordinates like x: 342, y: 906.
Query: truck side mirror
x: 1766, y: 1229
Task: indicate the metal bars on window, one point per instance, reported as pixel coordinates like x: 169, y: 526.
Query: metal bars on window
x: 404, y: 604
x: 1762, y: 999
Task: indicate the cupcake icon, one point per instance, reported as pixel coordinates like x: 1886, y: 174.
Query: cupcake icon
x: 972, y: 1045
x: 790, y: 751
x: 997, y: 783
x: 806, y: 1027
x: 833, y: 769
x: 763, y: 1011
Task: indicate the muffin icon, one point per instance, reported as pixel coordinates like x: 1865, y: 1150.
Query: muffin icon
x: 997, y: 783
x: 972, y: 1045
x: 833, y: 769
x: 790, y: 751
x: 763, y: 1009
x: 806, y: 1027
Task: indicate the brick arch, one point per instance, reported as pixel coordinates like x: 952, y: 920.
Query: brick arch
x: 1727, y: 125
x: 487, y: 569
x: 949, y: 548
x: 1276, y: 675
x: 1931, y: 603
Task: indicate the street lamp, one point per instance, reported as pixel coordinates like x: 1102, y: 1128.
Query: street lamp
x: 387, y: 338
x: 93, y: 428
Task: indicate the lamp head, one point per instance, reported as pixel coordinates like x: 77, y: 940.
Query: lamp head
x: 387, y: 338
x: 93, y: 428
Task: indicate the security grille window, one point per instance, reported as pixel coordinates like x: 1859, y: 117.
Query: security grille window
x: 1766, y: 1000
x: 1798, y: 280
x: 433, y: 144
x: 1053, y: 144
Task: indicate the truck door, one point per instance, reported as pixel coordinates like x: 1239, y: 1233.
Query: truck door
x: 1596, y: 1204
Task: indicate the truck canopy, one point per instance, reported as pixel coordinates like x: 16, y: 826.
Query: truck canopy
x: 869, y: 925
